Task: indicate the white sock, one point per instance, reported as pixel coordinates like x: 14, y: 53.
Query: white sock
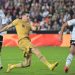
x: 0, y: 62
x: 69, y: 59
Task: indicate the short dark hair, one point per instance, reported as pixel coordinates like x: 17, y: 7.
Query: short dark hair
x: 24, y: 13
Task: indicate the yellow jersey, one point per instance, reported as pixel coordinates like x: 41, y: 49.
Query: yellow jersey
x: 22, y: 27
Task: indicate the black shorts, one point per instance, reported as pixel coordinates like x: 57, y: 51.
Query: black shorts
x: 72, y: 42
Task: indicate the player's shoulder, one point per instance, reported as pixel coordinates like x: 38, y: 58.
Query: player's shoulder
x: 72, y: 20
x: 17, y: 19
x: 15, y: 22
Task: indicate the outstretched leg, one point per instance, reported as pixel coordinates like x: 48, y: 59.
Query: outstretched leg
x: 25, y: 63
x: 69, y: 58
x: 43, y: 59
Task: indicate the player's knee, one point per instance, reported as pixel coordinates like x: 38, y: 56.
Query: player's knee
x: 73, y: 53
x: 28, y: 65
x: 36, y: 51
x: 27, y: 56
x: 25, y: 65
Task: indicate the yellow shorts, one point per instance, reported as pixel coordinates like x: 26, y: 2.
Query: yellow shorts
x: 25, y: 45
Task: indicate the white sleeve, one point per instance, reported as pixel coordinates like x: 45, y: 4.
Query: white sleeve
x: 71, y: 22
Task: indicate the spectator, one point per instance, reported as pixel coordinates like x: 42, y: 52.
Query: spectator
x: 55, y: 26
x: 60, y: 11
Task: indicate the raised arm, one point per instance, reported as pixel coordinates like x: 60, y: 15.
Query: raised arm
x: 5, y: 28
x: 62, y: 30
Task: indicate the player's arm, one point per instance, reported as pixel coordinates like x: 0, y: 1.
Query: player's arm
x: 5, y: 28
x: 14, y: 23
x: 62, y: 30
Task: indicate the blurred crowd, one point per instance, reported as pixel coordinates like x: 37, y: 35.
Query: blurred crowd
x: 47, y: 15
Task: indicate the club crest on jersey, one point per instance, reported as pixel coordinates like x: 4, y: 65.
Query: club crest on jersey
x: 23, y: 25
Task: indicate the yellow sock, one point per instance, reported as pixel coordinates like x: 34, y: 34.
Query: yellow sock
x: 17, y: 65
x: 14, y: 65
x: 47, y: 63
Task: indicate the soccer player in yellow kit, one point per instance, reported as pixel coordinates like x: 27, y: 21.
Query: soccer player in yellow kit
x: 23, y: 27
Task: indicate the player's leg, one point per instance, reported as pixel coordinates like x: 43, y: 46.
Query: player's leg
x: 26, y: 62
x: 43, y: 59
x: 69, y: 58
x: 1, y: 40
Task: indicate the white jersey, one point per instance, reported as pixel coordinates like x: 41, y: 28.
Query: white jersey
x: 2, y: 20
x: 72, y: 23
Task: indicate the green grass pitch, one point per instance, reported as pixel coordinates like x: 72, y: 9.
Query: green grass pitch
x: 14, y: 55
